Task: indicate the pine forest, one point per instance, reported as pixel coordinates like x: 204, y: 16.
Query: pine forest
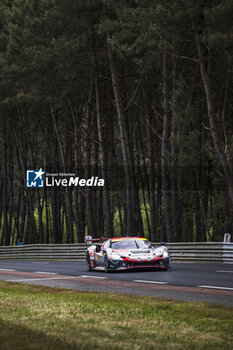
x: 136, y: 92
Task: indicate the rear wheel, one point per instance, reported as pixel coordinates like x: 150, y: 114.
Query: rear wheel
x: 88, y: 262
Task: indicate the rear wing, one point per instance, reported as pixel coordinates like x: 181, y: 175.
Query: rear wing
x: 89, y: 239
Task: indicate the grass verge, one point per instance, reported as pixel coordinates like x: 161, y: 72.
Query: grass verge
x: 37, y: 317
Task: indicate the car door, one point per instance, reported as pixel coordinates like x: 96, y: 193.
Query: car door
x: 100, y: 255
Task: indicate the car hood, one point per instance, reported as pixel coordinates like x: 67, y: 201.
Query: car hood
x: 132, y: 252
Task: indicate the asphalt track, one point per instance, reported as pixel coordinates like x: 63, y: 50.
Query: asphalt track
x: 204, y: 282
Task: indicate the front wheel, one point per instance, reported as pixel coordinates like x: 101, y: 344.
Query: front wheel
x: 166, y: 262
x: 106, y: 264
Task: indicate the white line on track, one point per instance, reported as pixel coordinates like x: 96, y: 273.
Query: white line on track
x: 216, y: 287
x: 85, y: 276
x: 224, y: 271
x: 153, y: 282
x: 46, y: 273
x: 7, y: 270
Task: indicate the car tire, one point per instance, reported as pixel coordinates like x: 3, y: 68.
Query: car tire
x: 106, y: 263
x: 166, y: 263
x: 88, y: 262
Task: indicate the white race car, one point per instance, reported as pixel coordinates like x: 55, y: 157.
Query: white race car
x: 124, y: 253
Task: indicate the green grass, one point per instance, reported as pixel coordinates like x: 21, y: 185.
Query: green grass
x: 36, y: 317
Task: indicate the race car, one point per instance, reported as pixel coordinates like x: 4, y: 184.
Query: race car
x: 125, y: 253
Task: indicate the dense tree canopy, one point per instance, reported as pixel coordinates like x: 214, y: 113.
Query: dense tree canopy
x: 137, y: 92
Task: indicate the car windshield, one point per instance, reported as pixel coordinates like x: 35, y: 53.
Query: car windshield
x: 144, y: 244
x: 131, y: 244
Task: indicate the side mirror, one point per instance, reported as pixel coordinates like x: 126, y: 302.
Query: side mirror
x: 98, y: 247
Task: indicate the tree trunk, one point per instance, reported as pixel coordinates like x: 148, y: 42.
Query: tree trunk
x: 69, y: 211
x: 91, y: 225
x: 165, y: 150
x: 6, y: 233
x: 176, y: 224
x: 151, y: 172
x: 107, y: 205
x: 211, y: 108
x: 127, y: 160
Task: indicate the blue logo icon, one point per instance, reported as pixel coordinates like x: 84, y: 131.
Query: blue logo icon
x: 35, y: 178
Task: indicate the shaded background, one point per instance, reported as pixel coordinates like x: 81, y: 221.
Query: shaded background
x: 136, y: 92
